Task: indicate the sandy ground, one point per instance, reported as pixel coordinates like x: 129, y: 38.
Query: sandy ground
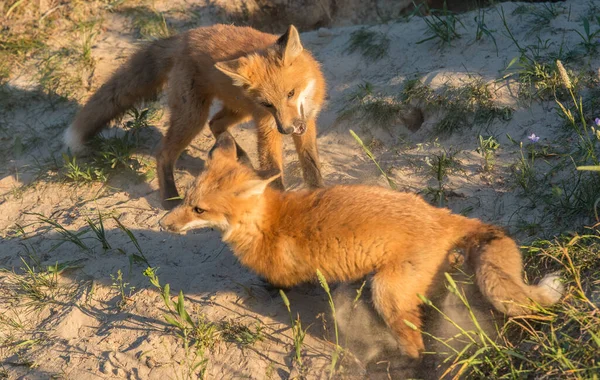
x: 83, y: 334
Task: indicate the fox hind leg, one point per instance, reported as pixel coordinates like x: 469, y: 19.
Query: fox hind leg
x: 189, y: 112
x: 394, y: 290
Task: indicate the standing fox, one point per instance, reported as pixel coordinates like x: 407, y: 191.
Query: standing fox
x: 256, y: 75
x: 348, y: 232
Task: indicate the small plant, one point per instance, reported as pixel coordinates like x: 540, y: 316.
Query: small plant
x: 441, y: 24
x: 372, y: 45
x: 99, y: 231
x: 487, y: 149
x: 110, y: 155
x: 138, y: 257
x: 241, y: 334
x: 298, y: 332
x: 140, y: 120
x: 589, y: 38
x: 337, y: 351
x: 482, y: 29
x: 82, y: 173
x: 88, y: 33
x: 179, y: 318
x: 441, y: 165
x: 123, y: 289
x: 524, y: 171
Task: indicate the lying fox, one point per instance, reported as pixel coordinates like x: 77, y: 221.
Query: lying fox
x: 272, y: 80
x: 348, y: 232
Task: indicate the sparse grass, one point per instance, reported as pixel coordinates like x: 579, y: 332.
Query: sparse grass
x: 482, y: 29
x: 36, y: 287
x: 524, y: 171
x: 372, y: 45
x: 66, y: 235
x: 366, y: 105
x: 112, y: 155
x: 233, y: 331
x: 441, y: 25
x: 561, y: 342
x: 87, y: 32
x: 337, y: 350
x: 461, y: 107
x: 298, y: 333
x: 179, y: 318
x: 148, y: 23
x: 56, y: 79
x: 543, y: 15
x: 372, y: 157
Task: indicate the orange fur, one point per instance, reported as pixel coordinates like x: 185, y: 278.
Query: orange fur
x: 348, y: 232
x: 256, y: 75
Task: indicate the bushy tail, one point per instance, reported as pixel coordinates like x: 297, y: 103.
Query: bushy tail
x: 497, y: 264
x: 140, y: 78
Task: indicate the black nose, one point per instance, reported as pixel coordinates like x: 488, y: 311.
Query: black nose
x: 282, y: 130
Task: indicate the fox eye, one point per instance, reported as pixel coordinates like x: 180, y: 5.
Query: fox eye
x: 198, y: 210
x: 266, y: 104
x: 291, y: 94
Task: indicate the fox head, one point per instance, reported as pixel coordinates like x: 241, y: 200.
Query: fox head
x: 284, y: 81
x: 227, y: 190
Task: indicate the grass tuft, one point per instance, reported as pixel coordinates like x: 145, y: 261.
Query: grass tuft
x: 372, y: 45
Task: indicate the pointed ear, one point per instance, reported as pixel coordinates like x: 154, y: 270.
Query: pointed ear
x: 290, y: 45
x: 256, y: 186
x: 234, y: 70
x: 224, y: 147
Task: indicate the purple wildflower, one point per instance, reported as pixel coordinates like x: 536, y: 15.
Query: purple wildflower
x: 533, y: 138
x: 597, y: 121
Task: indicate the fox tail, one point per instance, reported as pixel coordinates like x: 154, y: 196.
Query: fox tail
x: 497, y: 264
x: 140, y: 78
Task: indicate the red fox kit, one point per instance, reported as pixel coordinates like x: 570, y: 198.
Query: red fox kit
x: 348, y: 232
x: 259, y: 76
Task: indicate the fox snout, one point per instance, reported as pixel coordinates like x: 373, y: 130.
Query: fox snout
x: 170, y: 223
x: 167, y: 226
x: 298, y: 127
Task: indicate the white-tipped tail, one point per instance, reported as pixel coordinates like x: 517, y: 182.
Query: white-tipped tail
x: 73, y: 140
x: 553, y: 287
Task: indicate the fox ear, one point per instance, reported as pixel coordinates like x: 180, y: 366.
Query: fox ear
x: 290, y: 45
x: 234, y: 70
x: 256, y: 186
x: 224, y: 147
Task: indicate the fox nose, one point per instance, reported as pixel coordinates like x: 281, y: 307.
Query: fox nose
x: 165, y: 225
x: 284, y: 130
